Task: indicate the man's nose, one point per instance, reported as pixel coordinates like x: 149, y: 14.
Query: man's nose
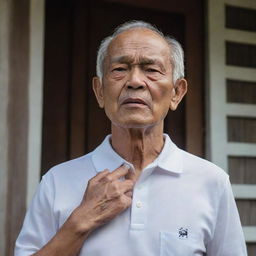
x: 136, y: 79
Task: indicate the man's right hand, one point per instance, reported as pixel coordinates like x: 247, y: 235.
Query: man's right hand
x: 107, y: 195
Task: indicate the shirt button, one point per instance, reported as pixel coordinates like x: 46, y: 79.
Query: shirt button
x: 139, y: 204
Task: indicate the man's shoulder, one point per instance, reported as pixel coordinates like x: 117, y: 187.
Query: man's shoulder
x: 80, y: 165
x: 203, y: 168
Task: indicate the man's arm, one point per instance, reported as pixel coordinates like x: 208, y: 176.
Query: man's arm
x: 228, y: 238
x: 106, y: 196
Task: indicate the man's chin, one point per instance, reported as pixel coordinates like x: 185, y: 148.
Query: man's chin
x: 134, y: 123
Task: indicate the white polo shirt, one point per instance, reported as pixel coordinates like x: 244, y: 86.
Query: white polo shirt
x: 182, y: 206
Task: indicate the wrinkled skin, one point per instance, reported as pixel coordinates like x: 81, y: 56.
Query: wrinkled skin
x: 106, y: 195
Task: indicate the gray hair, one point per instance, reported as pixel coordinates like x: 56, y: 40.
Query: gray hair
x: 176, y: 51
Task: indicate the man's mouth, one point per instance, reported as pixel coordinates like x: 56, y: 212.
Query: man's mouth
x: 134, y: 101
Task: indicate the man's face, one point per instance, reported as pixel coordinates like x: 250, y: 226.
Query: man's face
x: 137, y: 88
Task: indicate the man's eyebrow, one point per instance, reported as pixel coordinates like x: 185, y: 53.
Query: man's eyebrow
x: 151, y: 61
x: 142, y: 61
x: 122, y: 59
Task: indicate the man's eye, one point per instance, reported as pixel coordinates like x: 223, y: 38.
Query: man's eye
x: 151, y: 70
x: 119, y: 69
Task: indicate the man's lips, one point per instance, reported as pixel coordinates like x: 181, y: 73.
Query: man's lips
x: 134, y: 101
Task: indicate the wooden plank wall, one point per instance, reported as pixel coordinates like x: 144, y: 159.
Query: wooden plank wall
x: 17, y: 120
x: 242, y: 129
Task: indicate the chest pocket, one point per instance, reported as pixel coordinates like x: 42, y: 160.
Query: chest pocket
x: 179, y: 244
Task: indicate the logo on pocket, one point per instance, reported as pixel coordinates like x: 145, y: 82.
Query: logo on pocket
x: 183, y: 233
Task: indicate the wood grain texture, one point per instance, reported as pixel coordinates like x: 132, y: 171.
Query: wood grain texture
x: 241, y: 129
x: 251, y: 248
x: 17, y: 120
x: 240, y: 18
x: 241, y: 91
x: 241, y: 55
x: 247, y: 212
x: 57, y: 83
x: 242, y: 170
x: 80, y: 81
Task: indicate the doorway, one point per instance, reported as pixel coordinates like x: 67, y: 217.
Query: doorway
x: 73, y: 124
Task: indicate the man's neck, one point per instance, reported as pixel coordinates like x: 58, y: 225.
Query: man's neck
x: 138, y: 146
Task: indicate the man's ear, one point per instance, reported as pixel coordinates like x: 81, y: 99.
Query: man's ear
x: 98, y: 90
x: 179, y: 90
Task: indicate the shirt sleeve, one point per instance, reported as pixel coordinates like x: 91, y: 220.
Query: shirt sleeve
x: 39, y: 225
x: 228, y: 238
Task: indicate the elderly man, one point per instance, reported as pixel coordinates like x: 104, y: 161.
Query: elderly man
x: 136, y: 193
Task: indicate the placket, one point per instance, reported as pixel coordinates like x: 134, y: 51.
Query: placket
x: 139, y: 210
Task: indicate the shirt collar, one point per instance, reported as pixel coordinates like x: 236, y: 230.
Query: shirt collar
x: 170, y: 158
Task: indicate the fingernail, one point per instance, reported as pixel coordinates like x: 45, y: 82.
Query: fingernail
x: 126, y: 166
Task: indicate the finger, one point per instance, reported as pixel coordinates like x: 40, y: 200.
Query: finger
x: 126, y: 186
x: 115, y: 207
x: 118, y: 188
x: 119, y: 172
x: 101, y: 175
x: 121, y: 203
x: 130, y: 176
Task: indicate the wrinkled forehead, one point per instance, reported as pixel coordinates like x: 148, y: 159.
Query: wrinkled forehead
x: 138, y: 44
